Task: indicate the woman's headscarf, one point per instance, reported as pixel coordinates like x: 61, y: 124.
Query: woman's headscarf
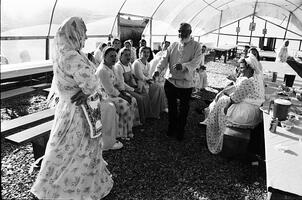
x: 69, y: 40
x: 254, y: 63
x: 98, y: 53
x: 71, y: 35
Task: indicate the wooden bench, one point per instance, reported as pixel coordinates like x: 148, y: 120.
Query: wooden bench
x: 16, y: 92
x: 41, y: 86
x: 235, y: 142
x: 35, y: 129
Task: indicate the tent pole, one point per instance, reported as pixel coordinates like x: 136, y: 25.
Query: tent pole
x: 49, y: 28
x: 118, y: 14
x: 264, y: 28
x: 118, y: 25
x: 290, y: 14
x: 253, y: 21
x: 150, y: 39
x: 238, y: 25
x: 219, y: 28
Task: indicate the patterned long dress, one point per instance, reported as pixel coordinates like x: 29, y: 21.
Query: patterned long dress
x: 73, y: 166
x: 125, y: 78
x: 128, y: 113
x: 155, y: 90
x: 243, y: 113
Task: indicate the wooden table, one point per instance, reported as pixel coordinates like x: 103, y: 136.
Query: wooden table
x: 268, y: 55
x: 25, y: 69
x: 283, y: 150
x: 281, y: 69
x: 227, y: 51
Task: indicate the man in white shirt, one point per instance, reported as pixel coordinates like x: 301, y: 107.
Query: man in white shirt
x: 182, y: 59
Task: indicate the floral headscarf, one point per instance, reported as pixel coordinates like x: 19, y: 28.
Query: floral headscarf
x: 68, y: 43
x: 71, y: 35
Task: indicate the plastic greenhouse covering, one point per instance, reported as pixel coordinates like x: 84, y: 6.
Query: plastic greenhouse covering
x: 33, y: 18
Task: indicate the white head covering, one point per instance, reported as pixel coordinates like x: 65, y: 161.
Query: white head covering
x: 258, y: 97
x: 98, y: 53
x: 68, y: 43
x: 254, y: 63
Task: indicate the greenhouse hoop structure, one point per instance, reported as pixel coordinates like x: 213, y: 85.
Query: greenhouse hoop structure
x: 28, y: 27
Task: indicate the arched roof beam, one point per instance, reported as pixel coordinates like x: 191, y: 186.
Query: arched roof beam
x: 198, y: 12
x: 297, y: 7
x: 210, y: 4
x: 225, y: 3
x: 157, y: 8
x: 274, y: 5
x: 117, y: 16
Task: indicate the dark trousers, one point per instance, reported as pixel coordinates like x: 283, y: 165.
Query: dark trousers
x: 177, y: 115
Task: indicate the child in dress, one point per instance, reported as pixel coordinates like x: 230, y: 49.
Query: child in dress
x: 203, y: 78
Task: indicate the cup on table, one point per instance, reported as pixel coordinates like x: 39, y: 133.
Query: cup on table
x: 274, y: 77
x: 289, y: 79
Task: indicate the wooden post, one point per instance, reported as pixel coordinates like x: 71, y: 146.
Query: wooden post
x: 290, y: 14
x: 49, y: 28
x: 237, y: 33
x: 47, y: 49
x: 253, y: 21
x: 150, y: 39
x: 219, y: 28
x: 118, y: 25
x: 264, y: 28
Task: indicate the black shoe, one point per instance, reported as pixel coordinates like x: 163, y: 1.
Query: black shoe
x: 170, y: 133
x: 180, y: 136
x: 208, y: 102
x: 199, y: 110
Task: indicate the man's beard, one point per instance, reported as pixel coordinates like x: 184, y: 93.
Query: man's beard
x: 185, y: 40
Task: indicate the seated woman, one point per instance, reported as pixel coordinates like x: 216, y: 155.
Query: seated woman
x: 156, y: 92
x: 122, y: 71
x: 72, y: 155
x: 98, y: 53
x: 236, y: 106
x: 128, y: 45
x: 126, y: 105
x: 251, y: 51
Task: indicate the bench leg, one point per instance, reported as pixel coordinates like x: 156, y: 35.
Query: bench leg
x: 39, y: 146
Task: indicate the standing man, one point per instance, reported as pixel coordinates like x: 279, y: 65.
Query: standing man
x: 182, y: 57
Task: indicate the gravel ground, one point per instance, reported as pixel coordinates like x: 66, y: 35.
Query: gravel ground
x: 151, y: 166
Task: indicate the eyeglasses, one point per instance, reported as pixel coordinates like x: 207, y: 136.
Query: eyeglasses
x: 183, y: 30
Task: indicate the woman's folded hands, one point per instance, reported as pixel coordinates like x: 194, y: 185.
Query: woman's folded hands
x: 79, y: 98
x: 124, y: 95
